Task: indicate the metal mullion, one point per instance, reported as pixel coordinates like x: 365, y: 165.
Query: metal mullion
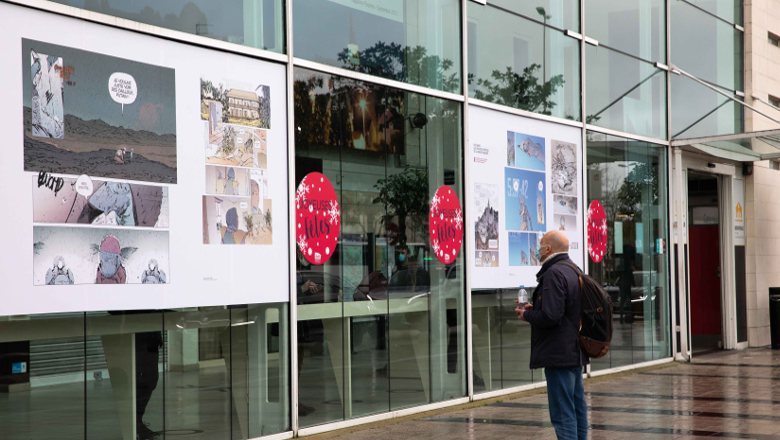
x: 371, y: 79
x: 465, y: 167
x: 669, y: 187
x: 293, y: 343
x: 523, y: 113
x: 711, y: 14
x: 630, y: 136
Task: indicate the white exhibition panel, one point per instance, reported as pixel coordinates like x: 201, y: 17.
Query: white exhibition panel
x: 506, y: 172
x: 197, y: 274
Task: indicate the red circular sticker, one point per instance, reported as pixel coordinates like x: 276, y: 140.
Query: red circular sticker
x: 446, y: 225
x: 597, y: 231
x: 317, y: 218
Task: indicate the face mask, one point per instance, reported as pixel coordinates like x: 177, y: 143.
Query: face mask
x: 538, y: 254
x: 401, y: 257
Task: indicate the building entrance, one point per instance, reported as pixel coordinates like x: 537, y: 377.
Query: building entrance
x: 704, y: 261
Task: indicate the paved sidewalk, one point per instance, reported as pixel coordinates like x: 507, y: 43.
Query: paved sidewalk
x: 732, y: 394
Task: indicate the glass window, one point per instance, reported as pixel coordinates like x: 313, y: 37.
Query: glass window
x: 414, y: 42
x: 699, y: 111
x: 637, y: 27
x: 729, y: 10
x: 706, y: 47
x: 629, y: 178
x: 42, y: 380
x: 501, y: 343
x: 563, y: 14
x: 253, y: 23
x: 625, y: 94
x: 381, y: 323
x: 522, y: 64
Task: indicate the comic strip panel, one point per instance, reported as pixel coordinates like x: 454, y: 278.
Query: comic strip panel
x: 529, y: 152
x: 234, y: 102
x: 229, y: 220
x: 97, y: 202
x: 518, y: 249
x: 231, y: 145
x: 564, y: 205
x: 524, y: 200
x: 564, y: 168
x: 486, y: 258
x: 93, y: 114
x: 78, y: 255
x: 228, y: 181
x: 565, y: 222
x: 486, y: 226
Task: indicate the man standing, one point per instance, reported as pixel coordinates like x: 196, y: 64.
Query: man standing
x: 554, y: 316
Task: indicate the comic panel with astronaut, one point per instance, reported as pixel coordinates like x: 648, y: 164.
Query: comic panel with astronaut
x: 94, y: 114
x: 97, y: 202
x: 88, y: 255
x: 486, y: 226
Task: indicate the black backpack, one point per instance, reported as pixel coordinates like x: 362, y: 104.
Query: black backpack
x: 595, y: 329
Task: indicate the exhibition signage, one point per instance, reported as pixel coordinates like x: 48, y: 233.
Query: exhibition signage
x: 317, y: 218
x: 446, y: 225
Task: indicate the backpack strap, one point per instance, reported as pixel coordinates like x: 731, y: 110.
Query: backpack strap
x: 579, y: 276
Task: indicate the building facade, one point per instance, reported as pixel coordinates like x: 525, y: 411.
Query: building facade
x: 647, y: 130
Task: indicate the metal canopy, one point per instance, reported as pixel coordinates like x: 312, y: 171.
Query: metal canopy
x: 743, y: 147
x: 739, y: 147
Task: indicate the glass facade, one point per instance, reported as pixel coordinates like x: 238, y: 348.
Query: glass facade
x: 525, y: 65
x: 624, y: 94
x: 381, y: 324
x: 214, y: 372
x: 417, y: 42
x: 629, y: 178
x: 636, y: 27
x: 254, y: 23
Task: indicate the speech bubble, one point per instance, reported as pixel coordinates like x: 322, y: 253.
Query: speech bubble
x: 122, y: 88
x: 541, y: 187
x: 84, y: 185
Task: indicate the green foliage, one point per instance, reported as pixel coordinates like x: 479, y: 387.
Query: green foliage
x: 642, y: 178
x: 406, y: 196
x: 268, y: 218
x: 521, y: 91
x: 228, y: 145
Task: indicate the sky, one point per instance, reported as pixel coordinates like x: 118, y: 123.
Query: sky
x: 90, y: 99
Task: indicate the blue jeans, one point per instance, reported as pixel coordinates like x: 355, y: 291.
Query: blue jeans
x: 566, y: 398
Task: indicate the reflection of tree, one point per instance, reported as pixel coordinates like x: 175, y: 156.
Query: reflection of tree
x: 521, y: 91
x: 641, y: 179
x: 410, y: 64
x: 406, y: 196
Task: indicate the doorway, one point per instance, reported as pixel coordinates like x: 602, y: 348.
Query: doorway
x: 705, y: 270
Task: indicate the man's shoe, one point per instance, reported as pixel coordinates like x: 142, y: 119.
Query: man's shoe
x: 142, y: 432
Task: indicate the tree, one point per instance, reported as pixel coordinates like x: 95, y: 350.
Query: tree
x: 521, y: 91
x: 410, y: 64
x: 406, y: 196
x: 268, y: 218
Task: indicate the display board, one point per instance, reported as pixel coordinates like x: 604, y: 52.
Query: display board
x: 130, y: 162
x: 525, y: 178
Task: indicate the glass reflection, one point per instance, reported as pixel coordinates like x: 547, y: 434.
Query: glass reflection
x: 629, y: 179
x: 563, y: 14
x: 522, y: 64
x: 414, y: 42
x: 253, y: 23
x: 637, y: 27
x: 43, y: 359
x: 706, y: 47
x: 625, y: 94
x: 381, y: 322
x: 699, y: 111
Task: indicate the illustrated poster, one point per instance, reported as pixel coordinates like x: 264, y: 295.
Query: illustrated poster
x: 525, y: 179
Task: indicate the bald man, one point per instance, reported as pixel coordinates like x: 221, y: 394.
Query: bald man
x: 554, y: 316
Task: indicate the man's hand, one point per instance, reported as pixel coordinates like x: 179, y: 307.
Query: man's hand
x: 520, y: 311
x: 310, y: 286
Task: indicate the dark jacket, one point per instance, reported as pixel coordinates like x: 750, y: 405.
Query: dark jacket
x: 554, y: 342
